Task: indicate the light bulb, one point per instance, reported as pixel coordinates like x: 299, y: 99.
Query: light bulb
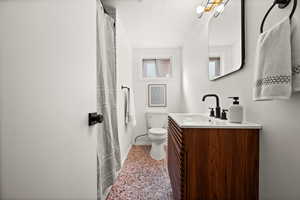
x: 200, y: 10
x: 220, y: 8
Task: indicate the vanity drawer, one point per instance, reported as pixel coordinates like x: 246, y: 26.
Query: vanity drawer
x: 177, y: 146
x: 176, y: 159
x: 174, y: 124
x: 176, y: 170
x: 177, y: 154
x: 176, y: 131
x: 176, y: 134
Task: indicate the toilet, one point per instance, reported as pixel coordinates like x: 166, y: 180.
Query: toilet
x: 157, y: 132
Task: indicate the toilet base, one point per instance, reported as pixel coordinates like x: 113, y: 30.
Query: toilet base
x: 157, y: 151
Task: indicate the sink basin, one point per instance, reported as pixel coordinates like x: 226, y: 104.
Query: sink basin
x: 199, y: 120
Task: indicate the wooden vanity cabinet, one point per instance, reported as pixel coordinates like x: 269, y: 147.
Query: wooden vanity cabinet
x: 213, y: 164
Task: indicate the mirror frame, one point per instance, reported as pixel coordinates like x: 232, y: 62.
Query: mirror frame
x: 243, y: 38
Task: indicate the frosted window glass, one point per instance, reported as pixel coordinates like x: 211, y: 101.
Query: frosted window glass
x: 157, y: 68
x: 214, y: 67
x: 157, y: 95
x: 149, y: 68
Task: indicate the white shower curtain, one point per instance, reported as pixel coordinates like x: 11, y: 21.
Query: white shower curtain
x: 109, y: 161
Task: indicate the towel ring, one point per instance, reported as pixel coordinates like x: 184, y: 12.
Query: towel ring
x: 281, y: 4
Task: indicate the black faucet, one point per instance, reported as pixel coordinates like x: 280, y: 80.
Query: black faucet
x: 218, y: 108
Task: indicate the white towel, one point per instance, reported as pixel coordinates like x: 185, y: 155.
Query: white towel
x: 132, y: 117
x: 273, y: 73
x: 126, y: 106
x: 129, y: 108
x: 296, y: 55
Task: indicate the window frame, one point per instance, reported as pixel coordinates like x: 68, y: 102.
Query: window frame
x: 215, y: 58
x: 140, y: 67
x: 222, y: 57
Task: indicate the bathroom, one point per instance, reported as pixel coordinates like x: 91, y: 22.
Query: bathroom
x: 50, y: 148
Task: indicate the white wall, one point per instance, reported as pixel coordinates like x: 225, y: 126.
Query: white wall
x: 280, y: 163
x: 48, y: 85
x: 1, y: 111
x: 124, y: 76
x: 156, y: 23
x: 140, y: 86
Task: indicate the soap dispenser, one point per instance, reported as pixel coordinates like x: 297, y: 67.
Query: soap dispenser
x: 235, y: 114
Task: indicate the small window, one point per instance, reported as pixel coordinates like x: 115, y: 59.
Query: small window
x: 157, y: 95
x: 214, y: 67
x: 157, y: 68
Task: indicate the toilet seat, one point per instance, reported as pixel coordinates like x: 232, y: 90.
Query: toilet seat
x: 158, y: 131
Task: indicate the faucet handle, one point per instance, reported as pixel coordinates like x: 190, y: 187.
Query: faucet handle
x: 224, y: 114
x: 212, y: 112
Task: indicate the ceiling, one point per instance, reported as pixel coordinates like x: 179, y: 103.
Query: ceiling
x: 156, y: 23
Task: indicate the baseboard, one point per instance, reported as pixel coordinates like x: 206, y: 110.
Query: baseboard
x: 126, y: 154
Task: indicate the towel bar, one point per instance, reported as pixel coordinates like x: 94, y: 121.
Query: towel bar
x: 125, y: 87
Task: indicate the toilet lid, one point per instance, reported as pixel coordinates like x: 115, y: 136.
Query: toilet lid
x: 158, y: 131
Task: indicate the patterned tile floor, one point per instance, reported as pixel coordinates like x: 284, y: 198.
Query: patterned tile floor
x: 142, y: 178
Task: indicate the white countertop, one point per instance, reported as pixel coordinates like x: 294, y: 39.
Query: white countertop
x: 199, y: 120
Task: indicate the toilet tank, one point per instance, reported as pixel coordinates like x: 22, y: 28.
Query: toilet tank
x: 157, y: 119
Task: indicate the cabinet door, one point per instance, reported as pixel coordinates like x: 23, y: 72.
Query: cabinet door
x: 222, y: 164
